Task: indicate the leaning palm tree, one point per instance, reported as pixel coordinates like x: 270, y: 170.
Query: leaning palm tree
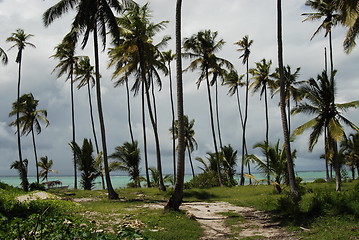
x: 176, y: 198
x: 202, y: 48
x: 29, y: 120
x: 325, y: 9
x: 190, y: 141
x: 245, y: 45
x: 94, y: 17
x: 20, y: 40
x: 127, y: 158
x: 3, y: 56
x: 263, y: 80
x: 46, y: 166
x: 320, y: 101
x: 168, y: 57
x: 65, y: 53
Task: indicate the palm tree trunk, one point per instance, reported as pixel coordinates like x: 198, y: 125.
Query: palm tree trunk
x: 154, y: 100
x: 157, y: 141
x: 144, y: 134
x: 213, y: 131
x: 129, y: 111
x: 217, y: 116
x: 292, y: 184
x: 331, y: 53
x: 23, y: 174
x: 111, y: 192
x: 267, y: 130
x: 190, y: 161
x: 173, y: 123
x: 176, y: 199
x: 94, y: 131
x: 239, y: 109
x: 244, y: 127
x: 337, y: 167
x: 326, y: 153
x: 73, y: 123
x: 35, y: 153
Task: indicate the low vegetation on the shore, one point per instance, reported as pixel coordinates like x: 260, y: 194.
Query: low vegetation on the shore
x: 321, y: 213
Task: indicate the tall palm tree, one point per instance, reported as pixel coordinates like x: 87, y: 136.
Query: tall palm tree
x: 263, y: 80
x: 202, y: 48
x: 127, y: 158
x: 320, y: 101
x: 20, y: 40
x: 46, y: 166
x: 168, y: 57
x: 245, y: 45
x: 29, y: 120
x: 190, y: 141
x: 94, y: 17
x: 86, y: 163
x: 137, y: 55
x: 85, y: 76
x: 327, y: 10
x: 176, y: 198
x: 65, y: 53
x: 3, y: 56
x: 286, y: 134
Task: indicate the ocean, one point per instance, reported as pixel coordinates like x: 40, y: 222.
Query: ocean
x: 121, y: 181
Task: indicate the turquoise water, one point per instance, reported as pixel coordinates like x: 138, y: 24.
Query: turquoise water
x: 121, y: 181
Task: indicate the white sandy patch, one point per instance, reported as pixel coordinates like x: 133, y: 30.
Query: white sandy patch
x: 36, y: 196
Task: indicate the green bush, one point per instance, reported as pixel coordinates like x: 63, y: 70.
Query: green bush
x: 203, y: 180
x: 319, y: 180
x: 36, y: 186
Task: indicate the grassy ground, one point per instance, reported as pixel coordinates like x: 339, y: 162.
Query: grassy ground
x: 322, y: 213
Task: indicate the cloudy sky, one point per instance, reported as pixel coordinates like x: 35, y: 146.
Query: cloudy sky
x: 231, y: 18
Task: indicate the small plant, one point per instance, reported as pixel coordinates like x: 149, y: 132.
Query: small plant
x: 319, y: 180
x: 36, y: 186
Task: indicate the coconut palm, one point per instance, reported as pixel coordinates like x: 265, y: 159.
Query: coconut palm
x: 202, y: 48
x: 190, y: 141
x: 127, y: 158
x: 21, y: 168
x: 350, y: 148
x: 86, y: 163
x: 168, y: 57
x: 20, y: 40
x: 85, y: 76
x: 277, y: 166
x: 325, y: 9
x: 3, y: 56
x: 137, y: 55
x: 65, y: 53
x: 229, y: 156
x: 94, y: 17
x: 176, y: 198
x: 46, y: 166
x: 245, y: 45
x: 29, y: 119
x: 320, y: 101
x: 262, y: 81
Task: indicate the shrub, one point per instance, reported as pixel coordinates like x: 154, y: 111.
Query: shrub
x: 319, y: 180
x: 36, y: 186
x: 204, y: 180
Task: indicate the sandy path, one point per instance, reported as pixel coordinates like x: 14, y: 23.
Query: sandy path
x: 256, y: 224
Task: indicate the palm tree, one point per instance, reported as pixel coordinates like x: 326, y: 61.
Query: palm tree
x: 29, y: 119
x: 202, y: 48
x: 350, y: 147
x: 46, y: 166
x: 168, y: 57
x: 3, y: 56
x: 320, y: 100
x: 20, y: 40
x: 262, y: 81
x: 127, y: 158
x: 92, y: 17
x: 136, y: 54
x: 277, y: 166
x: 327, y: 10
x: 21, y: 168
x: 245, y: 45
x: 176, y: 198
x: 86, y: 163
x: 229, y: 156
x: 65, y: 53
x: 85, y: 76
x: 190, y: 141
